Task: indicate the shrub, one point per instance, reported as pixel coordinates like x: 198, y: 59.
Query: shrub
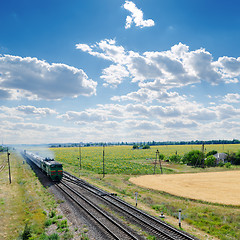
x: 135, y: 146
x: 211, y: 153
x: 210, y: 161
x: 228, y: 165
x: 193, y: 158
x: 175, y: 158
x: 26, y: 232
x: 221, y: 164
x: 52, y: 214
x: 146, y: 147
x: 48, y: 222
x: 53, y: 236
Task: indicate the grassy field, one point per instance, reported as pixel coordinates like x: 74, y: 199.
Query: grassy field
x: 125, y: 160
x: 21, y: 202
x: 121, y: 163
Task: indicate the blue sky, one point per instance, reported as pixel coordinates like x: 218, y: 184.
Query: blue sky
x: 113, y: 71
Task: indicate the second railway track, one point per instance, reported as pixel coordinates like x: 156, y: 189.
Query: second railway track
x: 148, y: 223
x: 110, y: 226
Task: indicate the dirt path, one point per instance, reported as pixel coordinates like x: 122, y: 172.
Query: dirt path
x: 217, y: 187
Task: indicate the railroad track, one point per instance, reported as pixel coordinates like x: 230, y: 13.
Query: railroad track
x: 112, y: 228
x: 149, y: 223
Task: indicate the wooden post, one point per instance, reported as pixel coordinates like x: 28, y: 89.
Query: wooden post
x: 80, y: 157
x: 136, y: 194
x: 179, y: 218
x: 160, y: 162
x: 155, y: 163
x: 9, y: 170
x: 103, y: 161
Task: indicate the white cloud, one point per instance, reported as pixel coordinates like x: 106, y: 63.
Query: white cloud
x: 35, y: 111
x: 230, y: 66
x: 105, y: 49
x: 163, y: 70
x: 84, y: 116
x: 181, y: 124
x: 136, y: 16
x: 36, y: 79
x: 232, y: 98
x: 114, y: 75
x: 226, y: 111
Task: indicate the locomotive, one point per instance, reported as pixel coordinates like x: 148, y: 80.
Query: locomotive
x: 52, y: 168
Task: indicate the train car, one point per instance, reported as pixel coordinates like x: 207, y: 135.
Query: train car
x: 52, y: 168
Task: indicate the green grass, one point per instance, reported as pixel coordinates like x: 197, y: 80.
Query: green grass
x: 22, y: 202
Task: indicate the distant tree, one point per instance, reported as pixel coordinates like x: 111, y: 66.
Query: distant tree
x: 193, y: 158
x: 211, y: 153
x: 231, y: 157
x: 175, y: 158
x: 236, y: 160
x: 135, y: 146
x: 210, y: 161
x: 145, y: 147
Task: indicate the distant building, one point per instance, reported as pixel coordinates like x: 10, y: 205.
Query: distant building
x: 220, y: 157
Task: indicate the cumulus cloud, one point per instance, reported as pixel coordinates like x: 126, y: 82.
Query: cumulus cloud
x: 232, y: 98
x: 35, y: 111
x: 226, y: 111
x: 229, y: 65
x: 25, y: 113
x: 136, y: 16
x: 84, y: 116
x: 164, y: 70
x: 36, y: 79
x: 181, y: 124
x: 114, y: 75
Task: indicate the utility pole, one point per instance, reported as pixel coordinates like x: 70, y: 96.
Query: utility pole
x: 103, y: 160
x: 203, y: 155
x: 155, y: 163
x: 80, y: 158
x: 8, y: 154
x: 160, y: 164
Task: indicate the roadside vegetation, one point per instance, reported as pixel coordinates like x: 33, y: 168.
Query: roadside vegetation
x: 27, y: 209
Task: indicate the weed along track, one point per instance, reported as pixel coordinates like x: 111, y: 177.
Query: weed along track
x: 146, y: 222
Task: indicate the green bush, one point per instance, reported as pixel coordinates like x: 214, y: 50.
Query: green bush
x: 175, y: 158
x: 52, y: 214
x: 210, y: 161
x: 228, y: 165
x: 26, y: 232
x: 193, y: 158
x: 221, y: 164
x: 48, y: 222
x: 54, y: 236
x: 211, y: 153
x: 62, y: 224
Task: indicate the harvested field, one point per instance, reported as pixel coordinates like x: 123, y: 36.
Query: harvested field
x: 216, y: 187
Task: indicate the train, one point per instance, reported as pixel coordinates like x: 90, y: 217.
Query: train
x: 49, y: 166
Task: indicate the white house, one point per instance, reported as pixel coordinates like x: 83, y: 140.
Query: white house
x: 220, y: 157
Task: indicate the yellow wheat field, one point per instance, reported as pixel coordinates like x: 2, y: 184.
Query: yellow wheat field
x: 217, y: 187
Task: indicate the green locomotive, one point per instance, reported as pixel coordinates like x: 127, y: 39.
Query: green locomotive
x: 52, y: 168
